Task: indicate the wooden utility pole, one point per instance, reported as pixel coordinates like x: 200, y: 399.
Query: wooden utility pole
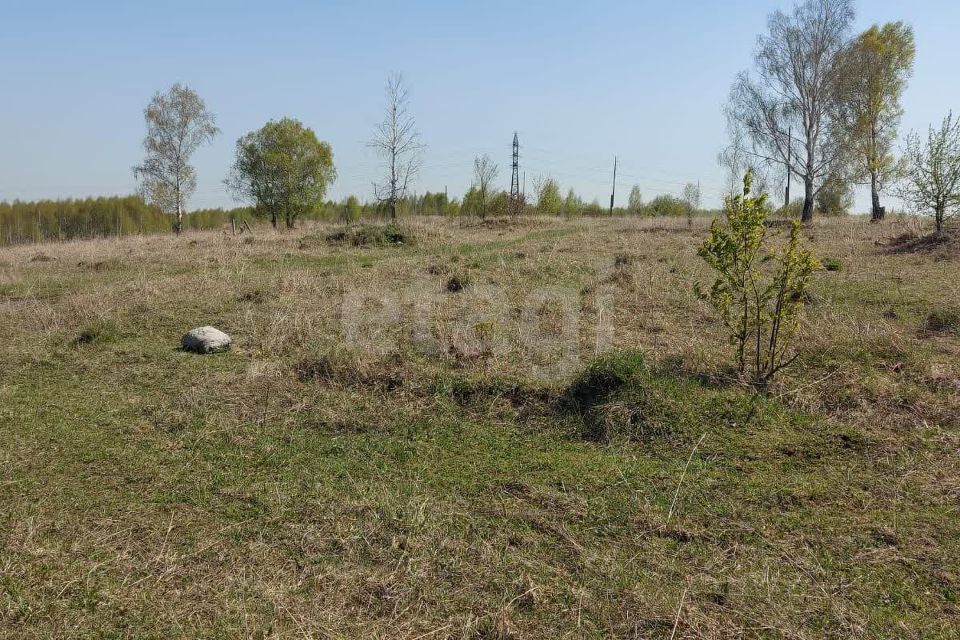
x: 613, y: 191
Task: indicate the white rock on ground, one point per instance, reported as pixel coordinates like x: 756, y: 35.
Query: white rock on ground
x: 206, y: 340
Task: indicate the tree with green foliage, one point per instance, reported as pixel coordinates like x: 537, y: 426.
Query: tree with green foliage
x: 875, y: 70
x: 435, y: 204
x: 931, y: 180
x: 178, y: 123
x: 593, y: 209
x: 635, y: 200
x: 352, y: 211
x: 549, y: 200
x: 499, y: 204
x: 667, y: 205
x: 471, y: 202
x: 283, y: 168
x: 572, y: 204
x: 453, y: 208
x: 760, y: 286
x: 835, y: 198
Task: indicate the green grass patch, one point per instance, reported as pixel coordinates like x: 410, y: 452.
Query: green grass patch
x: 831, y: 264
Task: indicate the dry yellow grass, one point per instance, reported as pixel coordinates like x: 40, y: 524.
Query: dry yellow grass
x: 381, y: 457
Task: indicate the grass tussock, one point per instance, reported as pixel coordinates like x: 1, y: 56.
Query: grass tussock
x: 97, y: 333
x: 253, y: 296
x: 942, y: 246
x: 109, y: 264
x: 457, y: 283
x: 370, y: 235
x: 944, y: 321
x: 620, y: 398
x: 483, y: 392
x: 832, y: 264
x: 346, y: 371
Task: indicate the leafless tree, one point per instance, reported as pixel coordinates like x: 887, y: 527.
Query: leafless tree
x: 398, y: 143
x: 932, y: 171
x: 786, y: 109
x: 484, y: 172
x: 178, y: 123
x: 691, y: 198
x: 691, y: 195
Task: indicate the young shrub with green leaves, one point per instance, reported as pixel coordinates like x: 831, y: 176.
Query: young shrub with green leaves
x: 549, y: 200
x: 760, y: 284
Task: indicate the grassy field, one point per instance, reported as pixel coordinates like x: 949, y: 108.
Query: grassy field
x: 511, y: 430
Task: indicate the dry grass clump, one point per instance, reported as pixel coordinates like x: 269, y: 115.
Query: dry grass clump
x: 942, y: 246
x: 341, y: 370
x: 457, y: 283
x: 831, y: 264
x: 943, y: 321
x: 254, y: 296
x: 369, y: 235
x: 592, y: 395
x: 101, y: 265
x: 98, y: 332
x: 503, y: 223
x: 437, y: 269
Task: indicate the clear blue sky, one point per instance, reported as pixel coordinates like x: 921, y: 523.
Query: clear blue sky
x: 580, y: 81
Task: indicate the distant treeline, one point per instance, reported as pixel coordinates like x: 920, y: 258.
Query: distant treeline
x: 498, y: 204
x: 59, y: 220
x: 52, y: 220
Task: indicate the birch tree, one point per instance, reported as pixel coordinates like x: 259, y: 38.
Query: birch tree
x: 178, y: 123
x: 786, y: 109
x: 876, y: 67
